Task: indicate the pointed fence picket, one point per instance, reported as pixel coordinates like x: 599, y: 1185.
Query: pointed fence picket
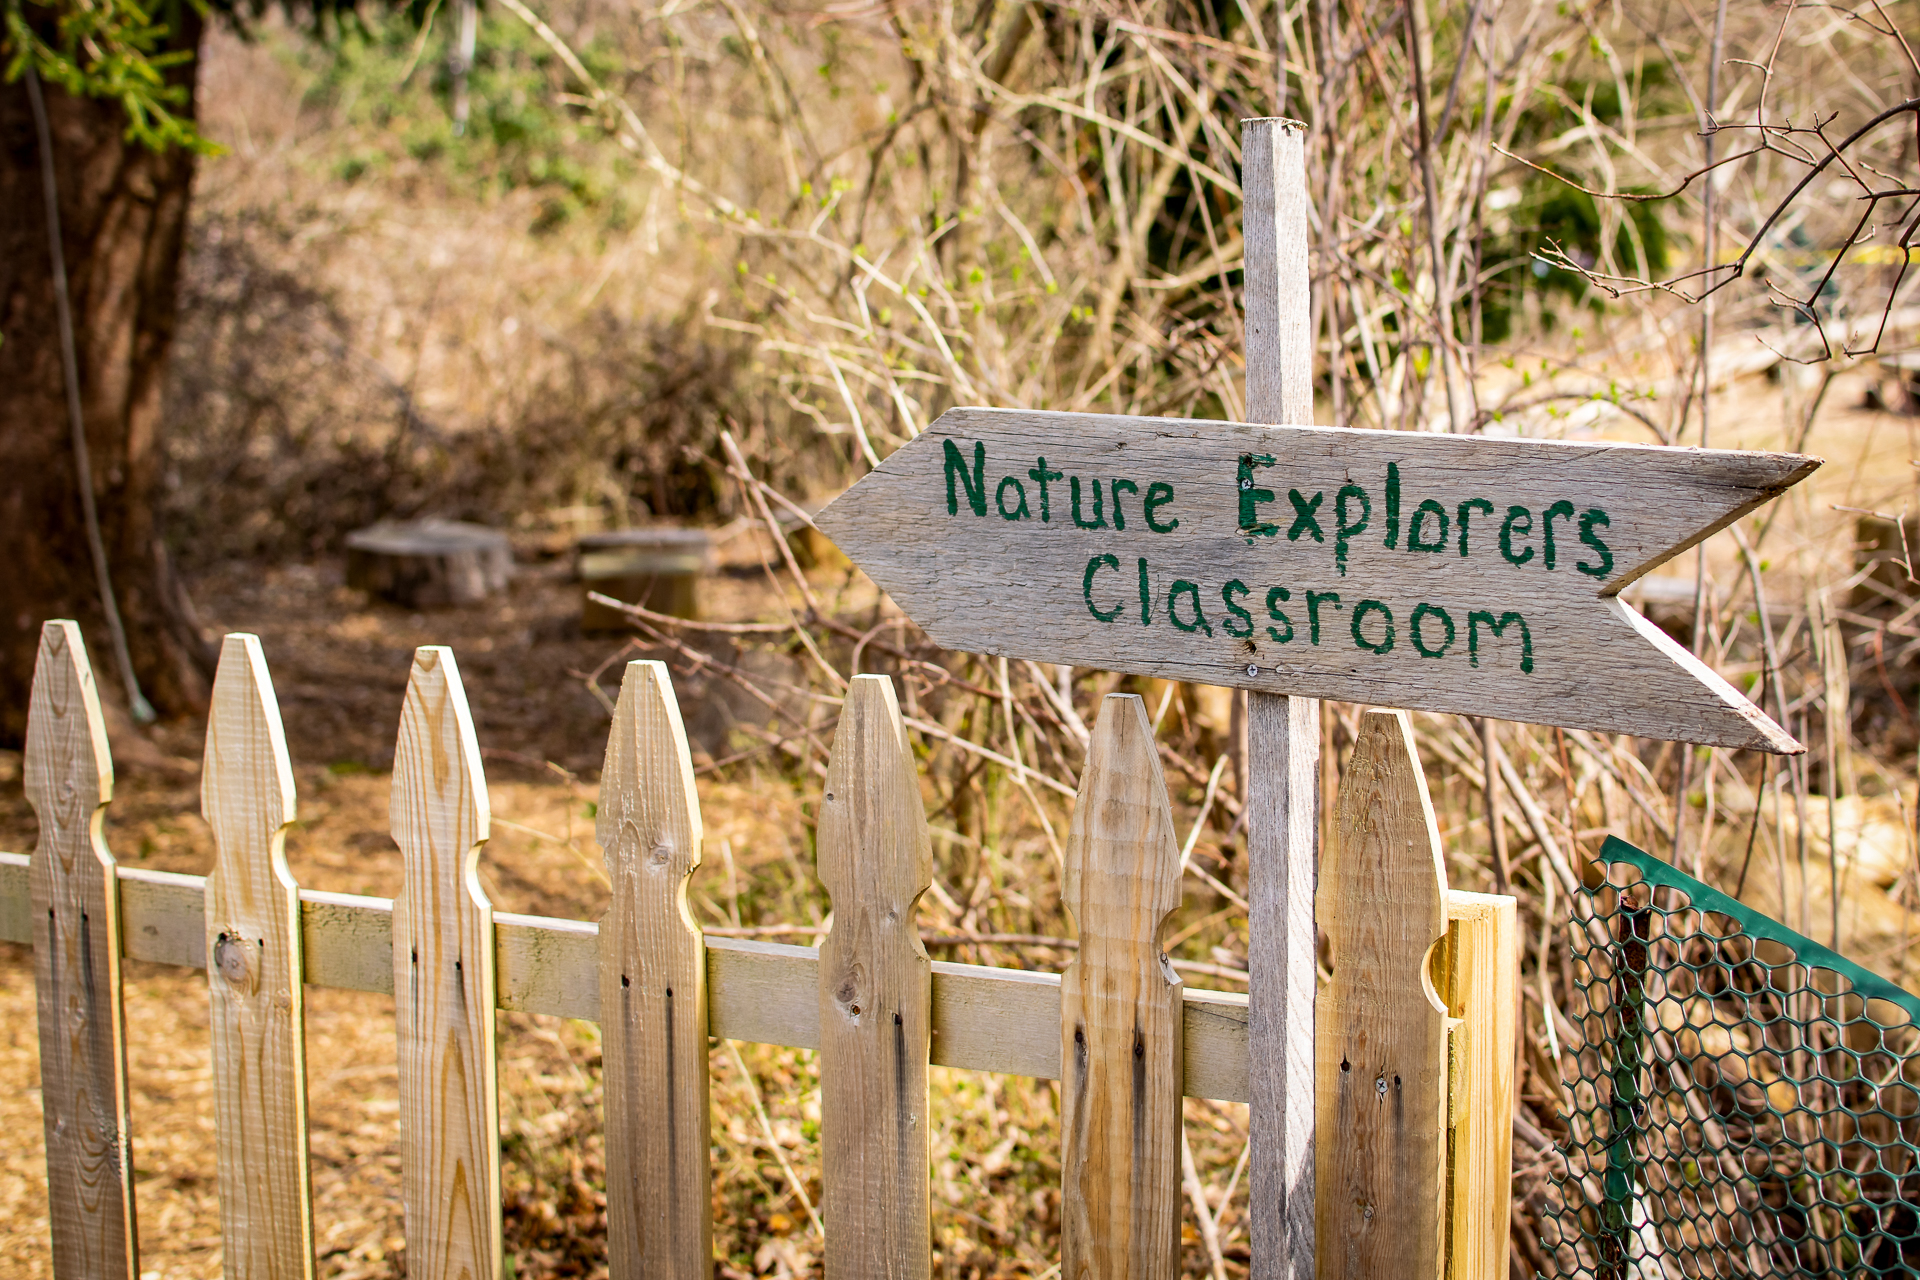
x: 1477, y: 979
x: 1120, y: 1003
x: 443, y: 984
x: 1381, y: 1064
x: 653, y: 992
x: 876, y: 998
x: 1120, y: 1031
x: 76, y: 913
x: 254, y: 980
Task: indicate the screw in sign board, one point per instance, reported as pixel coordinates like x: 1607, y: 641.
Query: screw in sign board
x: 1430, y: 572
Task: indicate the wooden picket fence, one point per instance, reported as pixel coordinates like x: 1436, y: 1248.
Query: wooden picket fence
x: 1118, y: 1025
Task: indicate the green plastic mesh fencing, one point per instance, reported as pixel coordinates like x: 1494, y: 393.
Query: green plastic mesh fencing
x: 1745, y: 1101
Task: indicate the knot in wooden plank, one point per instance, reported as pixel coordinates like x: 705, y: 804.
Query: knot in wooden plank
x: 255, y: 976
x: 876, y: 990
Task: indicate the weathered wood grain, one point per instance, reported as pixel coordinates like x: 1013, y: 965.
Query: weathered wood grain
x: 984, y: 1019
x: 443, y: 984
x: 982, y: 1014
x: 1120, y: 1033
x: 1478, y: 977
x: 1214, y: 1061
x: 653, y: 992
x: 1274, y: 225
x: 1380, y: 1179
x: 1283, y: 856
x: 162, y: 917
x: 1283, y: 745
x: 258, y: 1020
x: 1232, y: 567
x: 875, y: 998
x: 763, y: 991
x: 76, y: 967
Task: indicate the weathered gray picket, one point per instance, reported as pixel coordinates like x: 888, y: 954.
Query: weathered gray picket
x: 876, y: 998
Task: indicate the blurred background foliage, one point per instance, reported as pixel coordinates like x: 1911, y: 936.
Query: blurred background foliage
x: 885, y: 212
x: 379, y: 78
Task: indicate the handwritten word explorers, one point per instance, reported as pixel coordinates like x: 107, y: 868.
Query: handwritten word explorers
x: 1557, y: 538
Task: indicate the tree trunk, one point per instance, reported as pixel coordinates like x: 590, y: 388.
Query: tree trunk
x: 123, y: 214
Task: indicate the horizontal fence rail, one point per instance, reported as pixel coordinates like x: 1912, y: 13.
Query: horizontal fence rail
x: 984, y: 1019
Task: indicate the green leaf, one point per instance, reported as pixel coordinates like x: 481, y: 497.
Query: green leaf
x: 111, y: 49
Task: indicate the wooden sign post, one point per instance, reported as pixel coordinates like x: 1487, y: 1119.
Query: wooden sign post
x: 1431, y: 572
x: 1283, y: 750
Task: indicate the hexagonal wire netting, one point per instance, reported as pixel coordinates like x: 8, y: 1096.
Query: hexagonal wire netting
x: 1746, y: 1103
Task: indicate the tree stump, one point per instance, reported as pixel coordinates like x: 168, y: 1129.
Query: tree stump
x: 424, y: 563
x: 658, y: 569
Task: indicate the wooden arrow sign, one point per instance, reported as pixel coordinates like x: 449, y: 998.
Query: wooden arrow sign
x: 1432, y: 572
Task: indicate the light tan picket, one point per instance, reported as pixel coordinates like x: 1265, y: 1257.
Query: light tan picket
x: 254, y: 978
x: 1380, y: 1176
x: 443, y: 984
x: 76, y: 962
x: 1478, y: 978
x: 1120, y: 1014
x: 653, y: 992
x: 876, y: 990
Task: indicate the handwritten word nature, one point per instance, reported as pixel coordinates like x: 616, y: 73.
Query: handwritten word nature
x: 1557, y: 538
